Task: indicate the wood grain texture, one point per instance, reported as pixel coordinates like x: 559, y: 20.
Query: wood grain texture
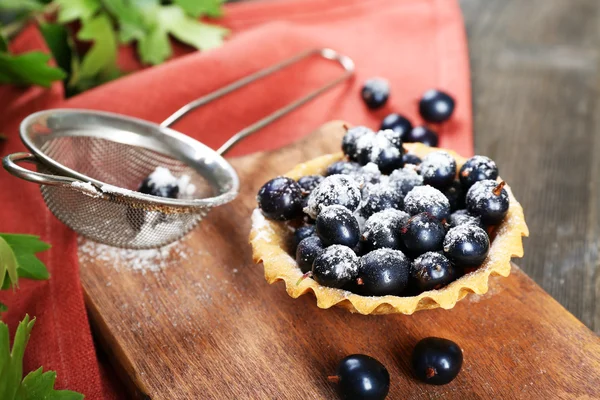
x: 208, y: 326
x: 535, y: 69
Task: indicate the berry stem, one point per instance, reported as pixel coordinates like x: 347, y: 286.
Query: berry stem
x: 346, y: 127
x: 303, y: 277
x: 359, y: 281
x: 333, y: 379
x: 430, y: 372
x: 498, y: 189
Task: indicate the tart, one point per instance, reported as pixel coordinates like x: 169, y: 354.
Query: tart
x: 272, y: 234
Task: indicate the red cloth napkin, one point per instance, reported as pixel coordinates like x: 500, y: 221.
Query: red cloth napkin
x: 416, y: 44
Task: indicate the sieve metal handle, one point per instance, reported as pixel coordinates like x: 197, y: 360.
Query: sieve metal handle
x: 10, y: 164
x: 346, y: 63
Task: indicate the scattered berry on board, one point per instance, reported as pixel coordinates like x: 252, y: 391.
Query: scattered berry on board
x: 360, y: 377
x: 375, y: 92
x: 436, y: 361
x: 436, y: 106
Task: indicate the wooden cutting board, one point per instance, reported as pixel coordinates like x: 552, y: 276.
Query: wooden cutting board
x: 206, y: 325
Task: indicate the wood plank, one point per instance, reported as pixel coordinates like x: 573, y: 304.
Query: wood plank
x: 208, y: 326
x: 535, y: 69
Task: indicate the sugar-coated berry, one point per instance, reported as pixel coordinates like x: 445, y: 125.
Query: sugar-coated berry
x: 422, y: 134
x: 431, y: 271
x: 342, y: 168
x: 397, y: 123
x: 395, y: 138
x: 462, y: 217
x: 489, y: 200
x: 438, y: 169
x: 335, y: 189
x: 308, y: 249
x: 160, y: 183
x: 384, y: 153
x: 422, y: 233
x: 375, y: 92
x: 336, y: 225
x: 335, y: 266
x: 360, y: 377
x: 436, y: 361
x: 404, y: 180
x: 436, y: 106
x: 382, y: 230
x: 410, y: 158
x: 309, y: 183
x: 477, y: 168
x: 280, y: 199
x: 302, y: 233
x: 349, y: 142
x: 379, y: 197
x: 383, y: 272
x: 426, y: 199
x: 466, y: 245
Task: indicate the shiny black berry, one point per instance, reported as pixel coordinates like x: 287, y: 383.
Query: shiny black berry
x: 388, y: 160
x: 309, y: 183
x: 349, y: 142
x: 343, y: 190
x: 466, y: 245
x: 477, y: 168
x: 360, y: 377
x: 302, y: 233
x: 342, y: 168
x: 410, y: 158
x: 335, y: 267
x: 462, y: 217
x: 489, y: 200
x: 280, y: 199
x: 423, y: 233
x: 426, y: 199
x: 432, y: 271
x: 438, y: 169
x: 336, y: 225
x: 455, y: 195
x: 383, y: 272
x: 379, y: 197
x: 375, y: 92
x: 422, y: 134
x: 436, y: 361
x: 308, y: 249
x: 382, y: 230
x: 397, y: 123
x: 436, y: 106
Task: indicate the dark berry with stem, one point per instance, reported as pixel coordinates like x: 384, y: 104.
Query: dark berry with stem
x: 432, y: 271
x: 489, y: 200
x: 462, y: 217
x: 302, y: 233
x: 477, y: 168
x: 455, y: 195
x: 436, y: 106
x: 466, y: 245
x: 349, y: 142
x: 397, y: 123
x: 423, y: 233
x: 360, y: 377
x: 426, y: 199
x: 375, y: 92
x: 280, y: 199
x: 382, y: 230
x: 410, y: 158
x: 335, y: 267
x: 342, y: 168
x: 336, y: 225
x: 438, y: 169
x: 383, y: 272
x: 309, y: 183
x: 308, y: 249
x: 436, y: 361
x: 422, y: 134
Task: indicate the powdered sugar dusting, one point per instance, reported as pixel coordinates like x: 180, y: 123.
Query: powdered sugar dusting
x: 437, y: 162
x: 425, y: 197
x: 455, y: 235
x: 335, y: 189
x: 86, y: 187
x: 482, y: 190
x: 385, y: 221
x: 405, y: 179
x: 261, y: 226
x: 344, y: 261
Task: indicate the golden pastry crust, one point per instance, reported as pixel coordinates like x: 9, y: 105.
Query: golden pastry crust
x: 268, y: 240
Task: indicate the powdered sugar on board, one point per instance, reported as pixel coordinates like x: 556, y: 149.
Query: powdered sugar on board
x: 261, y: 226
x: 151, y: 260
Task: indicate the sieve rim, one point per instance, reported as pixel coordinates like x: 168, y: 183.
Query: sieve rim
x: 229, y: 186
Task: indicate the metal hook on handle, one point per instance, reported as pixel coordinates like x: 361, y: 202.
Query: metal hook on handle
x: 329, y: 54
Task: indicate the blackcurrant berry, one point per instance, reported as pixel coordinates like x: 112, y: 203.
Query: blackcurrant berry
x: 438, y: 169
x: 422, y: 233
x: 462, y: 217
x: 455, y: 195
x: 308, y: 249
x: 489, y: 200
x: 410, y: 158
x: 335, y: 267
x: 302, y: 233
x: 349, y: 142
x: 422, y: 134
x: 360, y: 377
x: 383, y: 272
x: 466, y: 245
x: 385, y: 154
x: 335, y: 189
x: 436, y: 361
x: 436, y: 106
x: 432, y: 271
x: 309, y: 183
x: 382, y: 230
x: 375, y: 92
x: 336, y: 225
x: 280, y: 199
x: 397, y: 123
x: 342, y: 168
x: 404, y: 180
x: 160, y: 183
x: 477, y: 168
x: 368, y: 174
x: 379, y: 197
x: 426, y: 199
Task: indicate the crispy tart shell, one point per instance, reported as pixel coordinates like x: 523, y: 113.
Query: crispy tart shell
x: 269, y: 240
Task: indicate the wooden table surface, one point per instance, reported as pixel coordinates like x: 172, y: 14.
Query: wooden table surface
x: 535, y: 68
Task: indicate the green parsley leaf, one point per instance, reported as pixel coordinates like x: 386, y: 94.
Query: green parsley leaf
x: 57, y: 39
x: 37, y: 384
x: 130, y: 17
x: 3, y: 44
x: 70, y: 10
x: 28, y: 69
x: 198, y: 8
x: 18, y: 251
x: 102, y: 55
x: 21, y: 5
x: 8, y: 263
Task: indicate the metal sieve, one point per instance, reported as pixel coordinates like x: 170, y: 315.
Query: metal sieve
x: 90, y: 164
